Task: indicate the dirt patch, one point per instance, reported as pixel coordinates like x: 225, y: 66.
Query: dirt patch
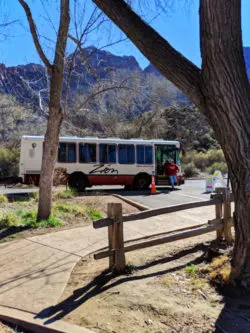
x: 99, y: 202
x: 160, y: 296
x: 5, y: 329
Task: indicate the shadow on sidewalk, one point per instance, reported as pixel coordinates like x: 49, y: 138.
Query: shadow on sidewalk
x: 235, y: 315
x: 103, y: 282
x: 12, y: 231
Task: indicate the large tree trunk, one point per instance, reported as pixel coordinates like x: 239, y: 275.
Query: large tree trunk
x: 220, y: 89
x: 227, y: 104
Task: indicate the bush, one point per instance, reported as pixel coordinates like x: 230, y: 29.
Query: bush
x: 202, y: 160
x: 51, y: 222
x: 8, y: 220
x: 24, y: 219
x: 190, y: 170
x: 66, y: 194
x: 222, y: 166
x: 64, y: 208
x: 69, y: 209
x: 9, y: 159
x: 93, y: 214
x: 3, y: 198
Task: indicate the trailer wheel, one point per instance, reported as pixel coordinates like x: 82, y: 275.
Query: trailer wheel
x: 141, y: 182
x: 77, y: 181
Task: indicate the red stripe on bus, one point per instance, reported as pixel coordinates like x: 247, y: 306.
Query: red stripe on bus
x: 111, y: 180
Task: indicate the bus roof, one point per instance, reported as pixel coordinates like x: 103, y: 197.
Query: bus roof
x: 106, y: 140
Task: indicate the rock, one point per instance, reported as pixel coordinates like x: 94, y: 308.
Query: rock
x: 148, y: 322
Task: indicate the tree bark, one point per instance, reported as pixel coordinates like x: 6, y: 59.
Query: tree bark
x: 227, y: 104
x: 51, y: 139
x: 220, y: 89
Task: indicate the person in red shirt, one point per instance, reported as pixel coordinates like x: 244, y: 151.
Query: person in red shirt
x: 171, y: 170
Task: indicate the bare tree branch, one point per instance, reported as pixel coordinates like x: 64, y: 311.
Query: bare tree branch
x: 35, y: 35
x: 116, y: 87
x: 182, y: 72
x: 85, y: 57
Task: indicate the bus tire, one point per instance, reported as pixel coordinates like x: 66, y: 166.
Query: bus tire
x: 141, y: 182
x: 77, y: 181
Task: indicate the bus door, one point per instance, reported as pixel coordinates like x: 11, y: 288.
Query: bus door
x: 164, y: 154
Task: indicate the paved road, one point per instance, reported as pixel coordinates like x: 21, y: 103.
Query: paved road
x: 192, y: 191
x: 13, y: 190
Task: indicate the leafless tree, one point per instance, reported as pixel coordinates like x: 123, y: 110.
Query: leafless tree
x: 60, y: 73
x: 55, y: 117
x: 119, y: 105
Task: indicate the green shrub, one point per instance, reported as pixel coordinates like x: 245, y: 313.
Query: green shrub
x: 8, y: 220
x: 92, y: 213
x: 190, y: 170
x: 65, y: 208
x: 28, y: 218
x: 202, y: 160
x: 66, y: 194
x: 22, y: 218
x: 222, y: 166
x: 69, y: 209
x: 3, y: 198
x: 191, y: 269
x: 34, y: 196
x: 51, y: 222
x: 9, y: 159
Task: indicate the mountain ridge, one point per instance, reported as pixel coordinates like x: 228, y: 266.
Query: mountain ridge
x: 29, y: 83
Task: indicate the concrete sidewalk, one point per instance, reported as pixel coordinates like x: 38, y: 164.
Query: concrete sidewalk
x: 35, y: 271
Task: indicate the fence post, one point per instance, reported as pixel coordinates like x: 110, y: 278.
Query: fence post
x: 115, y: 236
x: 227, y: 216
x: 218, y: 215
x: 111, y: 239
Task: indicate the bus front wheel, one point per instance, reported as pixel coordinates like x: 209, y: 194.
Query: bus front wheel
x: 77, y: 181
x: 141, y: 182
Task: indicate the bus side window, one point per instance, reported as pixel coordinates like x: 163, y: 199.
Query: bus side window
x: 126, y: 154
x: 62, y: 153
x: 87, y: 153
x: 107, y: 153
x: 67, y: 153
x: 144, y: 154
x: 71, y: 153
x: 140, y: 154
x: 148, y: 155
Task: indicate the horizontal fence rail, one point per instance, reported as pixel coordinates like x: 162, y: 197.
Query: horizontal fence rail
x: 117, y: 247
x: 216, y: 199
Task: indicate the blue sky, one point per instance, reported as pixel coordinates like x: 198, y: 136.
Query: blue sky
x: 179, y: 25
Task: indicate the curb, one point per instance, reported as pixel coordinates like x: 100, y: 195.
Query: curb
x: 29, y: 321
x: 131, y: 202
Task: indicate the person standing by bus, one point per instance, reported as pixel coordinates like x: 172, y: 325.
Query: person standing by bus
x: 171, y: 170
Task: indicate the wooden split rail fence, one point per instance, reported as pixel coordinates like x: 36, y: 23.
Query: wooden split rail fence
x: 117, y: 247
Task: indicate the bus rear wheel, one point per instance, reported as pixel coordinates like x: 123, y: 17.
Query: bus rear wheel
x: 141, y: 182
x: 77, y: 181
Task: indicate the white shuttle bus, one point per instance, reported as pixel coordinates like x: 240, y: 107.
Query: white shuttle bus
x: 97, y: 161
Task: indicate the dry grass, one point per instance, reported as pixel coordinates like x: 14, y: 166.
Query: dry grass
x: 219, y: 270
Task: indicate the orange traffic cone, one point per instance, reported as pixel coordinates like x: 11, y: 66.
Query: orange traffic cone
x: 153, y: 188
